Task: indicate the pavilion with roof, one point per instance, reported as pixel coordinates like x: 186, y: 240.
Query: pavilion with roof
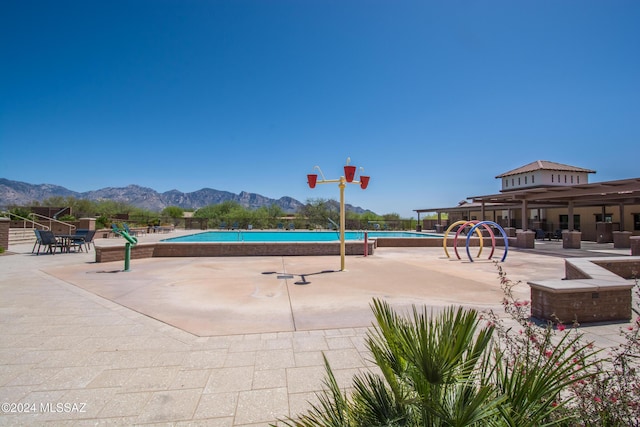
x: 549, y: 196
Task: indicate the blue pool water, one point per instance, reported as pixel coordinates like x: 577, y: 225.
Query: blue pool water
x: 291, y: 236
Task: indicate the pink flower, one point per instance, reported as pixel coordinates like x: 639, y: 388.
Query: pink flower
x: 561, y: 327
x: 597, y: 399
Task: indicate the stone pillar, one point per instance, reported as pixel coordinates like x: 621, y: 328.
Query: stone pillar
x: 87, y: 224
x: 511, y: 231
x: 4, y: 233
x: 571, y: 239
x: 526, y: 239
x: 635, y: 245
x: 604, y: 232
x: 621, y: 239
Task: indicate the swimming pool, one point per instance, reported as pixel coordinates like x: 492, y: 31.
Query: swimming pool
x: 293, y: 236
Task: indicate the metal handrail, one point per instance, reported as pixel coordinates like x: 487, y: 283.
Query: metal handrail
x: 26, y: 219
x: 55, y: 215
x: 71, y: 226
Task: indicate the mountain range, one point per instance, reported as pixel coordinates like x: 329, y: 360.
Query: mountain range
x: 16, y: 193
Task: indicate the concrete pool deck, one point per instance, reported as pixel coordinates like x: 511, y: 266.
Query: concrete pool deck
x: 217, y: 341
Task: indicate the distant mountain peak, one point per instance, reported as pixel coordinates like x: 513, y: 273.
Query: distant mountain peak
x: 16, y: 193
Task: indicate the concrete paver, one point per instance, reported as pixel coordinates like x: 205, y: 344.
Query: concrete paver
x: 214, y: 341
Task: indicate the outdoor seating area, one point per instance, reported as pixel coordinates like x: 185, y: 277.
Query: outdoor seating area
x: 548, y: 235
x: 49, y: 242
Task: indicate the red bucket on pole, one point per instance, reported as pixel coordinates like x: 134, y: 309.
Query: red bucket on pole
x: 349, y: 173
x: 311, y: 180
x: 364, y: 181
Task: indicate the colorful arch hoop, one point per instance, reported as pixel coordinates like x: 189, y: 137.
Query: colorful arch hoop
x: 489, y: 230
x: 504, y: 236
x: 446, y: 233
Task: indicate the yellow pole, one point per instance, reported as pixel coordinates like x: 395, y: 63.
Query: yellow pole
x: 342, y: 185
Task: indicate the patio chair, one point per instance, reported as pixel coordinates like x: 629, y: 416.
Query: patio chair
x: 128, y: 230
x: 38, y: 240
x: 49, y: 241
x: 88, y: 239
x: 540, y: 234
x: 77, y: 241
x: 83, y: 238
x: 557, y: 235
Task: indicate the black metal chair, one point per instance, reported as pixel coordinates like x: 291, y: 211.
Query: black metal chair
x: 38, y: 240
x: 88, y: 239
x: 78, y: 239
x: 49, y: 241
x: 84, y: 239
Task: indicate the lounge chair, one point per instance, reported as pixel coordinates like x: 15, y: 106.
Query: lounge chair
x: 540, y: 234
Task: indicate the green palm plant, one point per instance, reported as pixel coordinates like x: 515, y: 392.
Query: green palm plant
x: 429, y: 366
x: 445, y: 369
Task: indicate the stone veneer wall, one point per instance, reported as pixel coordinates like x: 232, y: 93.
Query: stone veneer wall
x: 597, y: 306
x: 627, y: 269
x: 164, y: 249
x: 4, y: 233
x: 151, y: 250
x: 435, y: 242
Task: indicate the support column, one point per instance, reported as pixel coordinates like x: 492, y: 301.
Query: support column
x: 525, y: 218
x: 621, y: 216
x: 571, y: 226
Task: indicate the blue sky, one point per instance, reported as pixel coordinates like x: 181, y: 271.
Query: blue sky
x: 433, y: 99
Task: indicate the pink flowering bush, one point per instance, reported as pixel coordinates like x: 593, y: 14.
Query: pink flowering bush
x: 607, y: 390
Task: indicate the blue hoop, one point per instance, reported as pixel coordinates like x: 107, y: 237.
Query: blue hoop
x: 504, y: 236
